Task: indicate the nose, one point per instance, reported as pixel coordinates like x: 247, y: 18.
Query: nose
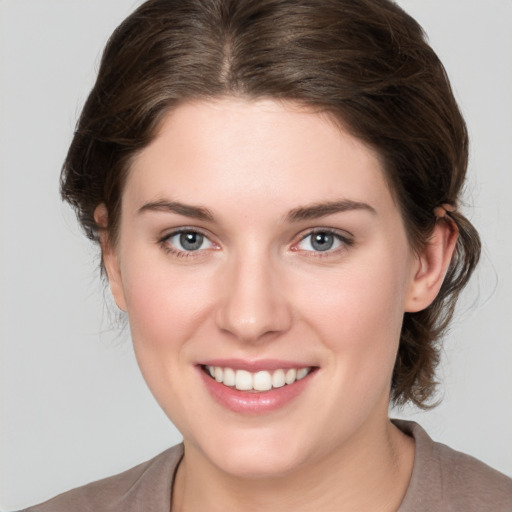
x: 253, y: 306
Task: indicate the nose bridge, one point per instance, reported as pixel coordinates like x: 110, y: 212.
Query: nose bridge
x: 253, y: 300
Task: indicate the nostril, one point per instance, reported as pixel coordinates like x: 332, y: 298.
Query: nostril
x: 249, y: 322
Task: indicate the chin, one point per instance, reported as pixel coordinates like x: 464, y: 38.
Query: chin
x: 258, y: 465
x: 255, y: 454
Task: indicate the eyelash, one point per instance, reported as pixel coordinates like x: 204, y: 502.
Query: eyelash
x: 169, y: 249
x: 344, y: 240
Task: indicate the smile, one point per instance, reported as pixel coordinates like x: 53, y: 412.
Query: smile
x: 258, y: 387
x: 262, y: 380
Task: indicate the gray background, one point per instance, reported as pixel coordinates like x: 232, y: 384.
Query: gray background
x: 73, y: 406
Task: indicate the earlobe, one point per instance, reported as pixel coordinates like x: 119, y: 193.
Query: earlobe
x: 431, y: 266
x: 109, y: 257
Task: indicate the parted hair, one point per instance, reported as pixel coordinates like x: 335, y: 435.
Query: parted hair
x: 365, y: 62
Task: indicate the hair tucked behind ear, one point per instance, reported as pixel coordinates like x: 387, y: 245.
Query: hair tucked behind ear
x: 418, y: 354
x: 364, y: 61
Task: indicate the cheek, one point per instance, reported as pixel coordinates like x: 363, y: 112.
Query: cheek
x: 358, y: 312
x: 165, y: 307
x: 165, y: 303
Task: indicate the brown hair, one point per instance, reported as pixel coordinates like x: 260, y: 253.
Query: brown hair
x: 364, y: 61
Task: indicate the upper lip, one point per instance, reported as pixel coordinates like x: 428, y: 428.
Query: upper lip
x: 257, y: 365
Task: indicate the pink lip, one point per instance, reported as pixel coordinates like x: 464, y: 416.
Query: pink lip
x: 247, y: 402
x: 254, y: 366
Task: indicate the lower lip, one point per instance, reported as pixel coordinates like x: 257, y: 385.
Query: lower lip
x: 261, y: 402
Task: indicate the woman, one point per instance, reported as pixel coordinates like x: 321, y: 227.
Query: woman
x: 275, y: 190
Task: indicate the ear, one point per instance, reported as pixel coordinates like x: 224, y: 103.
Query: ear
x: 109, y: 257
x: 431, y: 266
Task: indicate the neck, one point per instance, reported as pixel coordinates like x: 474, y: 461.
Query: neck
x: 371, y: 473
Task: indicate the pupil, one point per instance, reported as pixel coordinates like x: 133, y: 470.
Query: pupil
x: 322, y: 241
x: 191, y: 241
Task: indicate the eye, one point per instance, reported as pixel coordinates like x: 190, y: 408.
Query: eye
x: 187, y: 241
x: 322, y: 241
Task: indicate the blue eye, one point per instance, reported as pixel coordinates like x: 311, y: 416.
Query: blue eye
x: 188, y: 241
x: 321, y: 241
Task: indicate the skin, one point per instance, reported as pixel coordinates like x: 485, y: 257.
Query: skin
x: 257, y: 289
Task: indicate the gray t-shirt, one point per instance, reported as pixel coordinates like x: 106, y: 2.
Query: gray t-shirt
x: 443, y: 480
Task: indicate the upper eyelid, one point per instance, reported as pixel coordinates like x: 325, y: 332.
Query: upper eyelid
x: 346, y: 240
x: 341, y: 233
x: 164, y: 242
x: 164, y: 239
x: 185, y: 229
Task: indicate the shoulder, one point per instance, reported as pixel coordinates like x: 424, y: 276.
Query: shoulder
x: 149, y: 483
x: 445, y: 479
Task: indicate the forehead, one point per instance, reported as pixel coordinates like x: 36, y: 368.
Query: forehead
x: 254, y: 153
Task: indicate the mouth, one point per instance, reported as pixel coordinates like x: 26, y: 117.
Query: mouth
x: 259, y: 381
x: 256, y: 388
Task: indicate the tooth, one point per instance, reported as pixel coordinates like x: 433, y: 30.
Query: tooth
x: 291, y: 375
x: 262, y: 381
x: 218, y: 374
x: 229, y: 377
x: 243, y: 380
x: 302, y: 373
x: 259, y: 381
x: 278, y: 379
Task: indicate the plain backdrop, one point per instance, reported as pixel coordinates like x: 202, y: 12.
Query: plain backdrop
x: 73, y: 405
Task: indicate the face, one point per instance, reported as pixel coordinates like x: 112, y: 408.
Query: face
x: 259, y: 243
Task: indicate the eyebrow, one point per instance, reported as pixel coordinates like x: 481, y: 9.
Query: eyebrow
x: 313, y: 211
x: 195, y: 212
x: 318, y: 210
